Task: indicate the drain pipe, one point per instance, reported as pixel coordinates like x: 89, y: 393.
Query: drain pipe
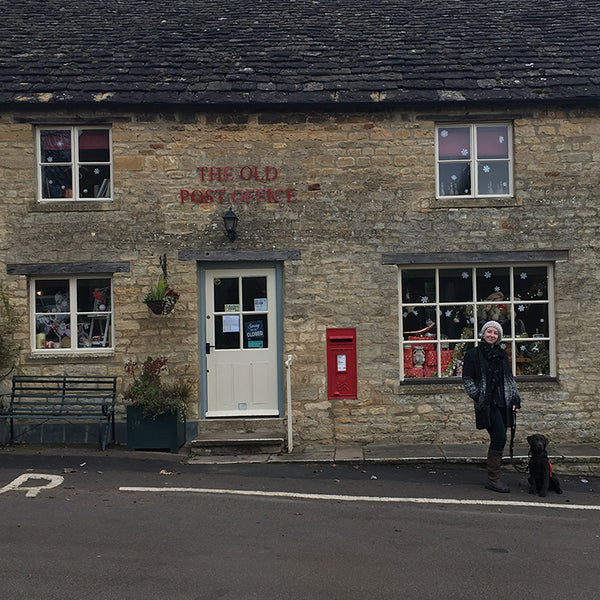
x: 288, y: 366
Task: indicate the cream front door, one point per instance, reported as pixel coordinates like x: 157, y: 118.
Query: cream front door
x: 241, y: 342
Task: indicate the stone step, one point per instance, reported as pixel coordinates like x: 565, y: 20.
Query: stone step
x: 240, y: 425
x: 213, y: 443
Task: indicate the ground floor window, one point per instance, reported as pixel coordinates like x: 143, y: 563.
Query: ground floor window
x: 443, y: 308
x: 71, y: 313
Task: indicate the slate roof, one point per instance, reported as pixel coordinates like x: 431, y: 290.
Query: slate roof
x: 248, y: 52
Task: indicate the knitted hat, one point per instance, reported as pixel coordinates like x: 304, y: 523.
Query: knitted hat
x: 495, y: 325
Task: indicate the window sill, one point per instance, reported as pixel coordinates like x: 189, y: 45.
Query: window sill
x: 475, y: 202
x: 73, y: 206
x: 458, y: 380
x: 59, y: 354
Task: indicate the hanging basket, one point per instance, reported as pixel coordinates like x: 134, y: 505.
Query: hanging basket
x: 161, y: 307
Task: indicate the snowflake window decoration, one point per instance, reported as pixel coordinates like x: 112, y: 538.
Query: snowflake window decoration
x: 497, y: 288
x: 96, y: 171
x: 448, y: 313
x: 501, y: 139
x: 49, y: 159
x: 535, y: 348
x: 424, y: 299
x: 522, y: 347
x: 453, y: 177
x: 464, y: 152
x: 486, y: 168
x: 465, y: 275
x: 523, y: 276
x: 487, y: 274
x: 444, y: 133
x: 521, y: 308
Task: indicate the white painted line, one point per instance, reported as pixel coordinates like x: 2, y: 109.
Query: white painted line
x: 341, y: 498
x: 32, y: 490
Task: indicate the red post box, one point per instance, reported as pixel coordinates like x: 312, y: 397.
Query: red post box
x: 341, y: 363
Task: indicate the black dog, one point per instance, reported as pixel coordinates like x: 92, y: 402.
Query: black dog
x: 541, y: 478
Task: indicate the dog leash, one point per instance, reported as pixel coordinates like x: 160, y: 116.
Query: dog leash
x: 513, y: 431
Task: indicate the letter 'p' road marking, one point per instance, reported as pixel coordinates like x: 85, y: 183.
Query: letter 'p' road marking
x: 32, y: 490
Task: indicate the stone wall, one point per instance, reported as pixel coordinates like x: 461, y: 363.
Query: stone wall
x: 363, y: 185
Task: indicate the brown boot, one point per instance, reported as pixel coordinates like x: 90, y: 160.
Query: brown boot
x: 494, y: 464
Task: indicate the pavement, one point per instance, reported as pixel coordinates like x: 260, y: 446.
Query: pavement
x: 573, y: 459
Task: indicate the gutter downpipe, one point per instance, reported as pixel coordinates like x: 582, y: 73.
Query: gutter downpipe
x: 288, y: 366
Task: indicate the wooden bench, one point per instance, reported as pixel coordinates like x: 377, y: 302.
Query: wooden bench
x: 50, y: 397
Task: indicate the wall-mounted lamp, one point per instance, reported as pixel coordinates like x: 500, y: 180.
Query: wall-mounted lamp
x: 230, y: 219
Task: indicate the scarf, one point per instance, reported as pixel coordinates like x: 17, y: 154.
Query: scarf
x: 494, y: 355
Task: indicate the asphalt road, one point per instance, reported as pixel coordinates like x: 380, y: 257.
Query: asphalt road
x: 154, y: 528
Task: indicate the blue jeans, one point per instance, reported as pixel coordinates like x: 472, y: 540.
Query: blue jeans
x: 497, y: 429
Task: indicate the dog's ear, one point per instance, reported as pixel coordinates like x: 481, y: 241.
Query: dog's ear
x: 529, y: 439
x: 544, y: 441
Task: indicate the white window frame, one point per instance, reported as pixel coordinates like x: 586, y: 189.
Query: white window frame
x: 512, y: 303
x: 74, y: 163
x: 474, y: 160
x: 73, y: 315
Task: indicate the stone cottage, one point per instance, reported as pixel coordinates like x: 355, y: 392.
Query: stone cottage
x: 393, y: 173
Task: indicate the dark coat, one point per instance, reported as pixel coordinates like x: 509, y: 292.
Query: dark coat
x: 474, y: 368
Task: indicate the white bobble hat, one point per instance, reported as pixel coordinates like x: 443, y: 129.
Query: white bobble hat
x: 495, y: 325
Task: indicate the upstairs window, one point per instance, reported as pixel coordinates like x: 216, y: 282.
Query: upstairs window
x: 74, y: 163
x: 474, y: 161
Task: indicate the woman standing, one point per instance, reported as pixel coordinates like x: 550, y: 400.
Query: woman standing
x: 488, y: 379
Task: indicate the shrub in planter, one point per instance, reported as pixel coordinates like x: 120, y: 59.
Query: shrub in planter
x: 156, y: 415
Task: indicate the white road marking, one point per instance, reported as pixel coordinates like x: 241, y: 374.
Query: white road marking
x: 342, y: 498
x: 32, y: 490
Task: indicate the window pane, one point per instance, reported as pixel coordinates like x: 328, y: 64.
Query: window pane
x: 454, y: 319
x: 55, y: 145
x: 94, y: 145
x: 57, y: 182
x: 93, y: 295
x: 94, y: 181
x: 53, y: 331
x: 531, y: 320
x: 531, y: 283
x: 52, y: 296
x: 492, y: 142
x: 491, y: 282
x: 418, y: 286
x: 533, y: 358
x: 226, y: 294
x: 454, y: 142
x: 254, y: 293
x: 255, y: 331
x: 93, y: 331
x: 456, y: 285
x: 455, y: 179
x: 227, y: 332
x: 492, y: 178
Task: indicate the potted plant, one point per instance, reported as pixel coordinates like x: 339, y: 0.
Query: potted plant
x: 161, y: 299
x: 157, y: 410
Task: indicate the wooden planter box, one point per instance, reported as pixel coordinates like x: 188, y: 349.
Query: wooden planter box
x: 165, y: 432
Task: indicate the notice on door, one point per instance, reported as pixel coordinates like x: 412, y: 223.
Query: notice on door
x: 231, y: 323
x: 255, y: 334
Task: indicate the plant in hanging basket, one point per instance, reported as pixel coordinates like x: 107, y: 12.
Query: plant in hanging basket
x: 161, y: 299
